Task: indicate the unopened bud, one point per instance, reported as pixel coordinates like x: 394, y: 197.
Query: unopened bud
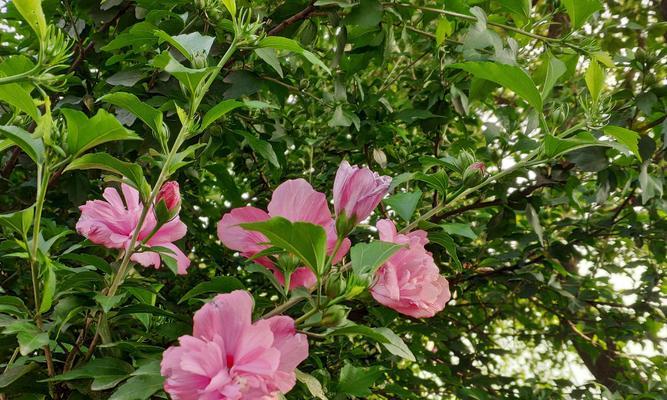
x: 171, y: 195
x: 474, y: 173
x: 334, y: 315
x: 380, y: 157
x: 335, y: 286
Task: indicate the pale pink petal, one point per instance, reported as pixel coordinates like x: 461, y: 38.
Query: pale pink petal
x: 296, y: 200
x: 147, y: 259
x: 227, y: 315
x: 237, y: 238
x: 170, y: 232
x: 182, y: 260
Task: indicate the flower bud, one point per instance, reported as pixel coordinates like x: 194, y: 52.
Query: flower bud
x: 474, y: 173
x: 357, y: 191
x: 169, y: 193
x: 380, y: 157
x: 335, y: 286
x: 334, y: 315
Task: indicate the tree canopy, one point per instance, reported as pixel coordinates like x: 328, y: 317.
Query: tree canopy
x: 527, y: 138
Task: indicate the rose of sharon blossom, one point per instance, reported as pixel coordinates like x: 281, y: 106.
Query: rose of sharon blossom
x: 357, y: 191
x: 170, y: 194
x: 409, y: 282
x: 112, y: 221
x: 229, y: 357
x: 294, y: 200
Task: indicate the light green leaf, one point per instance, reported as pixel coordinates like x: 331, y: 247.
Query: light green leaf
x: 218, y: 111
x: 32, y: 146
x: 188, y: 44
x: 30, y: 341
x: 189, y: 77
x: 520, y: 7
x: 368, y: 257
x: 304, y: 240
x: 106, y: 162
x: 443, y: 30
x: 262, y: 147
x: 594, y: 80
x: 221, y: 284
x: 84, y: 133
x: 314, y: 386
x: 108, y: 302
x: 459, y: 229
x: 509, y: 76
x: 31, y: 11
x: 580, y: 10
x: 357, y: 381
x: 396, y: 346
x: 554, y: 146
x: 283, y: 43
x: 149, y: 115
x: 362, y: 330
x: 230, y: 5
x: 16, y: 96
x: 555, y: 69
x: 270, y: 57
x: 19, y: 221
x: 404, y: 203
x: 626, y: 137
x: 49, y: 289
x: 652, y: 186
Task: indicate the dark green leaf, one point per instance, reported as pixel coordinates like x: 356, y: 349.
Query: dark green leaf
x: 33, y: 147
x: 84, y: 133
x: 357, y: 381
x: 404, y: 203
x: 221, y: 284
x: 149, y: 115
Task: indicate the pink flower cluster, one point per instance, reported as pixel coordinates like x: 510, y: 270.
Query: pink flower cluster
x: 111, y: 223
x: 294, y: 200
x: 409, y: 282
x: 230, y: 357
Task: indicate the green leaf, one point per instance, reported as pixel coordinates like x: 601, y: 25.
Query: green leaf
x: 304, y: 240
x: 443, y: 30
x: 459, y: 229
x: 367, y: 14
x: 357, y: 381
x: 362, y: 330
x: 218, y: 111
x: 31, y: 11
x: 520, y: 7
x: 141, y: 387
x: 230, y: 5
x: 314, y: 386
x: 404, y: 203
x: 189, y: 77
x: 32, y: 146
x: 221, y: 284
x: 105, y: 372
x: 149, y: 115
x: 49, y: 289
x: 554, y: 146
x: 395, y: 344
x: 438, y: 181
x: 138, y: 36
x: 30, y: 341
x: 555, y: 69
x: 509, y: 76
x: 16, y: 96
x: 19, y: 221
x: 108, y: 302
x: 106, y: 162
x: 594, y: 80
x: 283, y: 43
x: 626, y: 137
x: 652, y: 186
x: 262, y: 147
x: 446, y: 241
x: 84, y: 133
x: 270, y: 57
x: 188, y: 44
x: 534, y: 220
x: 580, y: 10
x: 368, y: 257
x: 15, y: 372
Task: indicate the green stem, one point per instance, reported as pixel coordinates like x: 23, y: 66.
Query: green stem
x: 520, y: 31
x: 283, y: 307
x: 440, y: 208
x: 306, y: 316
x: 19, y: 77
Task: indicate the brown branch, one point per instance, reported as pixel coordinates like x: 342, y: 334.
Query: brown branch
x: 11, y: 163
x: 301, y: 15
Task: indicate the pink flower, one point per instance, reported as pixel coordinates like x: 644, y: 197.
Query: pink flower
x: 294, y: 200
x: 409, y: 282
x: 230, y: 358
x: 111, y: 224
x: 169, y: 192
x: 357, y: 191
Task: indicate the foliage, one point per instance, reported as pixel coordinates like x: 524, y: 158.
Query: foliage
x: 527, y: 137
